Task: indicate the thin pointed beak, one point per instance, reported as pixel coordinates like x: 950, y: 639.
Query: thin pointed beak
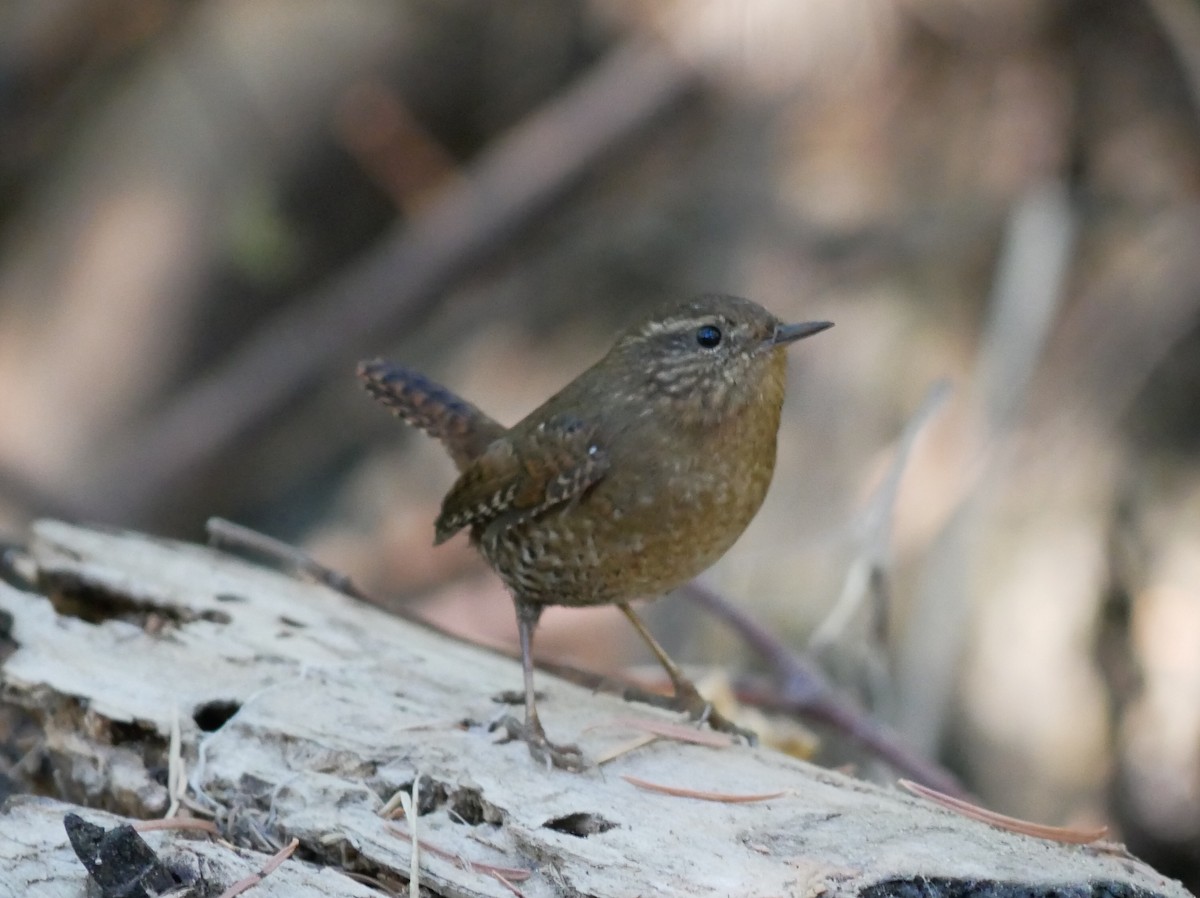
x: 790, y: 333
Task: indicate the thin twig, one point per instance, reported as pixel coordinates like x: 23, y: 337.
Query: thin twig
x: 269, y: 867
x: 176, y: 771
x: 677, y: 732
x: 1003, y: 821
x: 619, y: 751
x: 786, y: 664
x: 655, y: 730
x: 411, y: 805
x: 681, y: 792
x: 388, y: 811
x: 508, y: 885
x: 172, y: 823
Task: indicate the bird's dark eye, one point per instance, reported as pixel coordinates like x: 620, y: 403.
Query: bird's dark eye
x: 708, y: 336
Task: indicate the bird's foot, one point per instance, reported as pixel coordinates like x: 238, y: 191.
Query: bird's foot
x: 564, y: 757
x: 701, y: 710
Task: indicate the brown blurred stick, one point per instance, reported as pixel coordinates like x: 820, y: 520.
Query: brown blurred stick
x: 396, y: 283
x: 800, y: 689
x: 223, y: 534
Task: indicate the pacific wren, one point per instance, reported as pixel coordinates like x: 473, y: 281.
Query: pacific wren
x: 629, y: 481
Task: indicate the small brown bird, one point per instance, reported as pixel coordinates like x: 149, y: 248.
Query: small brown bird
x: 629, y: 481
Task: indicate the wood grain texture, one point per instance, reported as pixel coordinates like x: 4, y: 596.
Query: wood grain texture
x: 333, y: 706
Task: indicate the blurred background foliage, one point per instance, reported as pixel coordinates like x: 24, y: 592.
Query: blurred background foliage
x: 211, y: 209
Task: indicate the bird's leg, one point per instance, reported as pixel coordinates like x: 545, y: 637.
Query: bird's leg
x: 687, y: 696
x: 566, y: 757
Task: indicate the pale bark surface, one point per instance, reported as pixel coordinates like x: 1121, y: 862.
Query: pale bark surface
x: 336, y: 706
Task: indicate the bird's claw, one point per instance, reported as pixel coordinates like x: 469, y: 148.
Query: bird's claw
x: 564, y: 757
x: 699, y: 709
x: 723, y: 724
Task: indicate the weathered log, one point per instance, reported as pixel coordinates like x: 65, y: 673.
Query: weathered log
x: 301, y: 712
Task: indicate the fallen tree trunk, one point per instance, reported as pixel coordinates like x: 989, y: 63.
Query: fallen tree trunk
x: 300, y: 713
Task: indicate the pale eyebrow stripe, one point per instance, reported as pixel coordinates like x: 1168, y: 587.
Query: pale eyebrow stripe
x: 674, y: 324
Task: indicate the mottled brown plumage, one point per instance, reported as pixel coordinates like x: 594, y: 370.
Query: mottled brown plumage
x: 632, y: 479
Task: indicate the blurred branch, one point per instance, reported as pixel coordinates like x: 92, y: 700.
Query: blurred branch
x: 383, y: 135
x: 863, y: 577
x: 399, y: 281
x: 828, y: 707
x: 800, y: 689
x: 1026, y: 297
x: 228, y: 536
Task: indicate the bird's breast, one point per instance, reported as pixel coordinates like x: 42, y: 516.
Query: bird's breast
x: 673, y: 502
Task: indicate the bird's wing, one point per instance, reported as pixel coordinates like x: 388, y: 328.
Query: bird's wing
x: 516, y: 479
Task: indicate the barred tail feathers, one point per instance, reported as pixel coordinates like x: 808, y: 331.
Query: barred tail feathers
x: 462, y: 428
